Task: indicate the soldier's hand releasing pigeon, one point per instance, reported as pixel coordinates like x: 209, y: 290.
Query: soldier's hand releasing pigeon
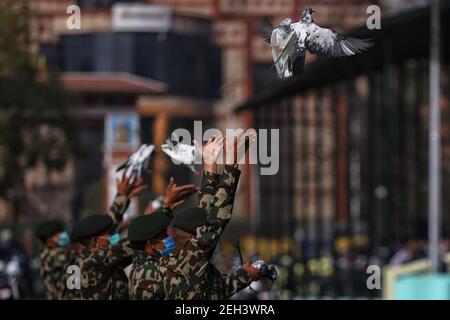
x: 181, y: 153
x: 290, y: 41
x: 137, y: 162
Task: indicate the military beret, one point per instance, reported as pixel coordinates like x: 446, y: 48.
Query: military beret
x: 190, y: 219
x: 73, y: 235
x: 48, y: 228
x: 147, y: 227
x: 91, y: 226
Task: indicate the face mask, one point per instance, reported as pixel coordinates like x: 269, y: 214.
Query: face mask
x: 114, y: 239
x: 64, y: 239
x: 169, y: 244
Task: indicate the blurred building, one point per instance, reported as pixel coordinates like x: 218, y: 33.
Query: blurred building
x: 136, y: 72
x: 354, y: 136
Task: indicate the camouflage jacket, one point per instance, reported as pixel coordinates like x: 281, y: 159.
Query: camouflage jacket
x: 209, y: 184
x: 119, y: 206
x: 188, y: 273
x: 102, y: 275
x: 145, y: 277
x: 54, y: 263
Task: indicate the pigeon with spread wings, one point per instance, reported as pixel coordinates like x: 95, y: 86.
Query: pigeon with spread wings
x: 304, y: 36
x: 181, y: 153
x: 137, y: 162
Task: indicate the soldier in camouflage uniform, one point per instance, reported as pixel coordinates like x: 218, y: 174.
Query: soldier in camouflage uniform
x: 105, y: 254
x: 148, y: 235
x: 54, y: 258
x: 145, y: 278
x: 188, y: 272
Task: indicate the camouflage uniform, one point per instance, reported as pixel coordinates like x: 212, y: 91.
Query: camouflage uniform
x: 54, y: 263
x: 188, y: 273
x: 102, y: 272
x: 145, y: 276
x: 210, y: 181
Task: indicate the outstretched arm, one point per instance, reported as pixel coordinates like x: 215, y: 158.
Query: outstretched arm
x: 235, y: 281
x: 208, y: 188
x: 221, y: 204
x: 173, y: 197
x: 176, y: 195
x: 218, y: 213
x: 210, y: 180
x: 125, y: 191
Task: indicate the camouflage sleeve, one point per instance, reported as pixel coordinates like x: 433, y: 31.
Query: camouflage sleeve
x: 235, y: 281
x: 219, y: 213
x: 54, y: 263
x: 59, y: 257
x: 208, y: 189
x: 118, y: 208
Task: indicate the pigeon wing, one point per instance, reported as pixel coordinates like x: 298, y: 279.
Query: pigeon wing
x: 276, y: 53
x: 289, y: 47
x: 282, y: 60
x: 327, y: 42
x: 266, y: 31
x: 123, y: 165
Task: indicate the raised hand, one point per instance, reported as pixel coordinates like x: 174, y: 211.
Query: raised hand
x: 210, y: 153
x: 126, y: 188
x: 237, y: 146
x: 176, y: 195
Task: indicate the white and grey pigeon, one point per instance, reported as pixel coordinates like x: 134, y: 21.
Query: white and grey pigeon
x: 181, y: 152
x: 290, y: 42
x: 278, y: 38
x: 137, y: 162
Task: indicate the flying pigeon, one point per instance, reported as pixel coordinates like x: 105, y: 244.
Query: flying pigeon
x: 279, y: 38
x: 180, y: 152
x: 137, y: 161
x: 290, y: 41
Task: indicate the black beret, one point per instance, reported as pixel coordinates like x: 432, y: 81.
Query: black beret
x: 73, y: 235
x: 148, y: 227
x: 49, y: 228
x: 91, y: 226
x: 190, y: 219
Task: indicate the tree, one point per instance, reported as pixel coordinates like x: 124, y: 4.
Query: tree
x: 35, y: 124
